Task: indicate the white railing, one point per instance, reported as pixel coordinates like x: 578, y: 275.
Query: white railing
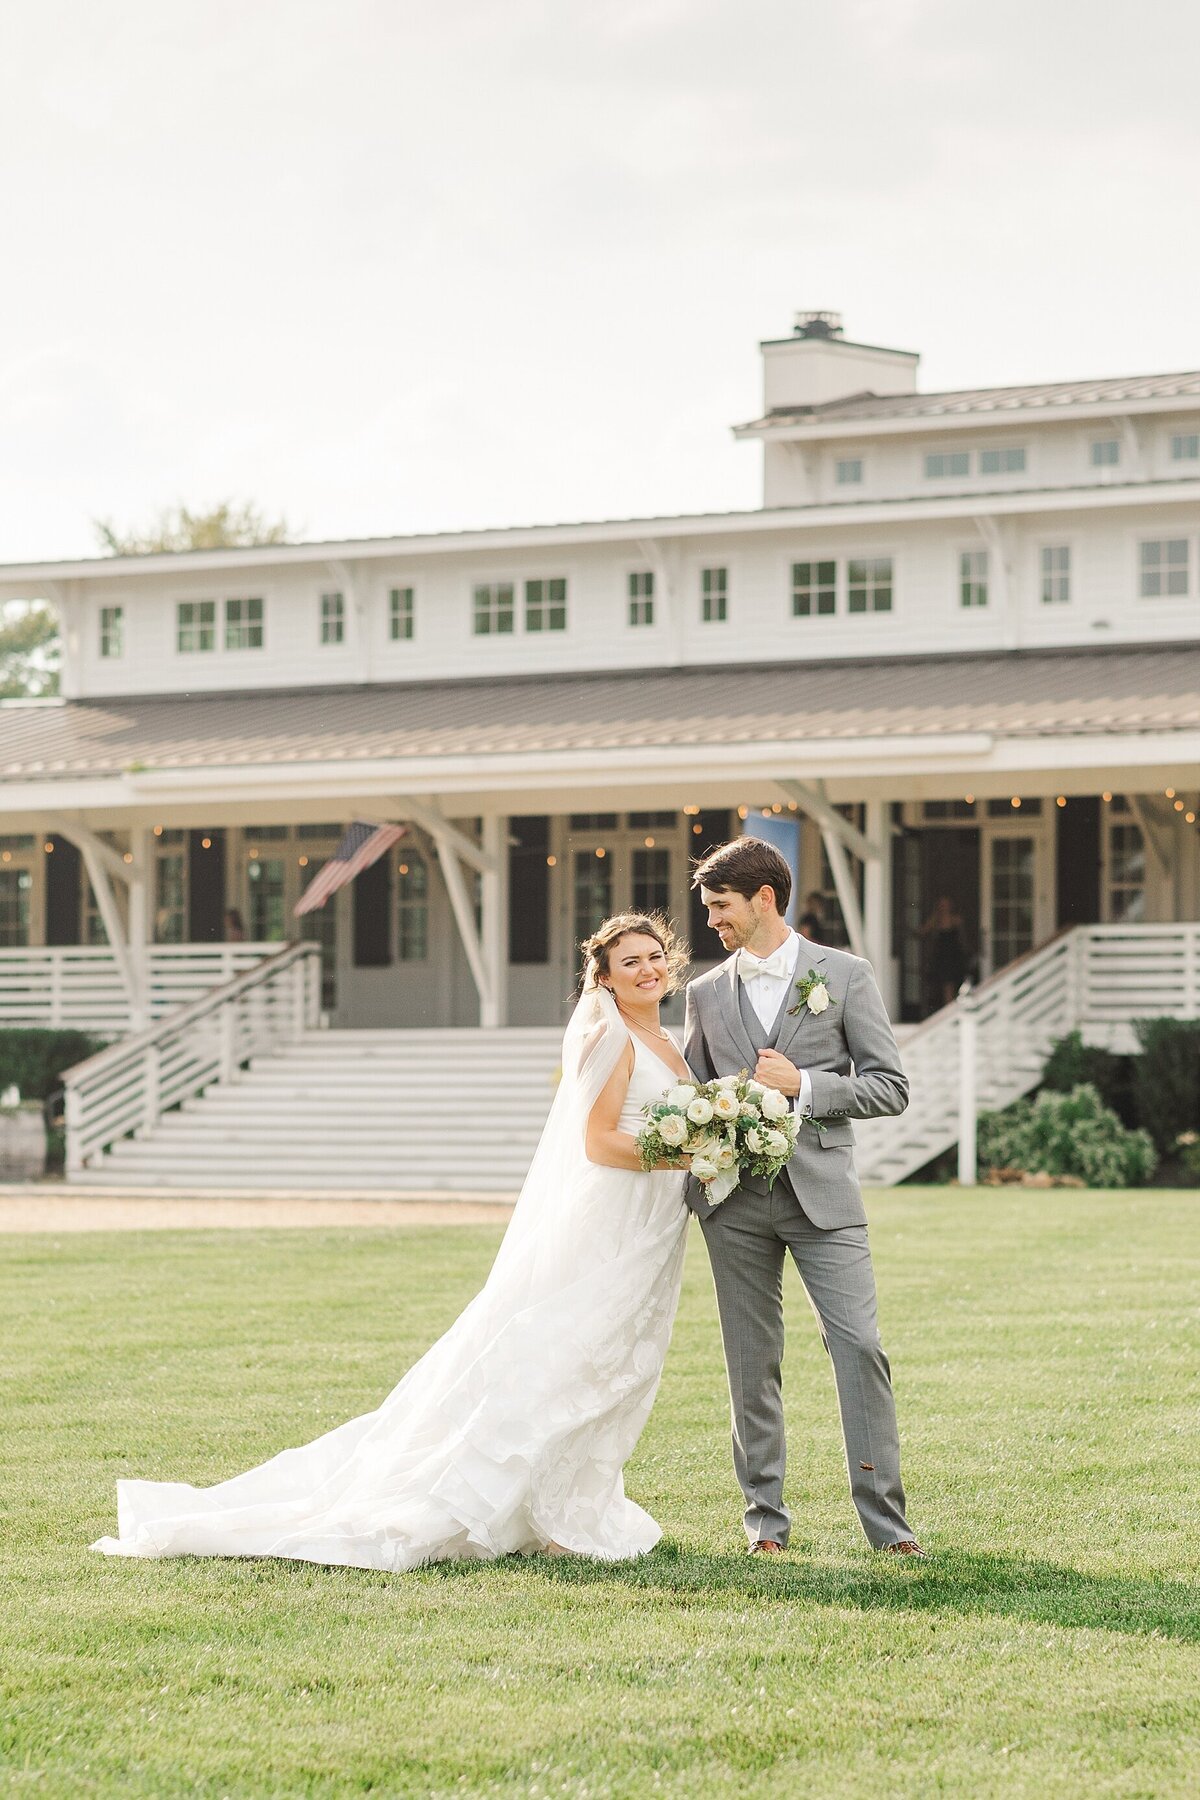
x: 79, y: 986
x: 989, y: 1047
x: 129, y: 1086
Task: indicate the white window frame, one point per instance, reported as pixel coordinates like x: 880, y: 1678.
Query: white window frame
x: 1115, y: 816
x: 973, y: 578
x: 112, y: 632
x: 928, y: 456
x: 1098, y: 444
x: 872, y: 585
x: 1005, y: 453
x: 501, y: 599
x: 841, y: 471
x: 1141, y: 571
x: 402, y: 612
x: 243, y: 629
x: 1177, y: 440
x: 539, y: 602
x: 196, y: 627
x: 837, y: 586
x: 639, y: 598
x: 714, y: 599
x: 1067, y: 575
x: 331, y: 619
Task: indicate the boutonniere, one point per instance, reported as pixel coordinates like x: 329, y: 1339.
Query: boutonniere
x: 812, y: 992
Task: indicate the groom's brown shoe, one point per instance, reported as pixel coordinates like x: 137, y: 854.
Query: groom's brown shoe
x: 765, y: 1547
x: 906, y: 1547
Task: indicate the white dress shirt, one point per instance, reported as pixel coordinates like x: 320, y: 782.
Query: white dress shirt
x: 765, y: 993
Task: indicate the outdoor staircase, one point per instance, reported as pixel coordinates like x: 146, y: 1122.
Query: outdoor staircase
x: 240, y: 1090
x: 357, y: 1111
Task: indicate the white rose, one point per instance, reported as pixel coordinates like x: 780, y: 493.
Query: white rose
x: 679, y: 1096
x: 818, y: 998
x: 726, y: 1081
x: 725, y: 1158
x: 776, y: 1142
x: 726, y: 1105
x: 755, y: 1141
x: 775, y: 1105
x: 673, y: 1130
x: 755, y: 1087
x: 700, y: 1110
x: 704, y: 1169
x: 748, y: 1110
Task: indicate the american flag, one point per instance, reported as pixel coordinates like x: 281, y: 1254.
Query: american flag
x: 361, y: 846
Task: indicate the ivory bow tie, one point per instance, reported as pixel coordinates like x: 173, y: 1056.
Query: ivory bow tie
x: 777, y: 966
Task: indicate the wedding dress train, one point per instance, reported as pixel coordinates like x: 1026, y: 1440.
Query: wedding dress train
x: 513, y: 1430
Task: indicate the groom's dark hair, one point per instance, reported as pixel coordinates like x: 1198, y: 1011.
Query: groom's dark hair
x: 743, y: 866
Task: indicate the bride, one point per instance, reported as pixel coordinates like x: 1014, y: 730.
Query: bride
x: 511, y: 1433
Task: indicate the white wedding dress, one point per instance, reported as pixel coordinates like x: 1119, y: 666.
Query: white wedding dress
x: 513, y: 1430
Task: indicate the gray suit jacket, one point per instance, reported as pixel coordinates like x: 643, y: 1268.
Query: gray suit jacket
x: 849, y: 1051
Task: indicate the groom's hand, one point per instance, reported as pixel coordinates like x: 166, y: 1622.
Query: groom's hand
x: 775, y: 1071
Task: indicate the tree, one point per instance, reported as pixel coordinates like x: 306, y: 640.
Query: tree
x: 230, y: 525
x: 29, y: 650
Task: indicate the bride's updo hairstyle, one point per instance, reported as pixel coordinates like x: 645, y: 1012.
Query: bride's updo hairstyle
x: 599, y: 947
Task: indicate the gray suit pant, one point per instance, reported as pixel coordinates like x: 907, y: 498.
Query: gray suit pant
x: 748, y: 1238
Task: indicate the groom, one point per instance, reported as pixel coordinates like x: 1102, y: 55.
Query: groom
x: 801, y: 1017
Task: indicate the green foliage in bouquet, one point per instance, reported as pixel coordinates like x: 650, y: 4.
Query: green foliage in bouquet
x: 1067, y: 1134
x: 729, y: 1127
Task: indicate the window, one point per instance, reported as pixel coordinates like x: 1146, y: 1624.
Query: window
x: 594, y: 822
x: 641, y: 597
x: 947, y: 462
x: 15, y: 888
x: 494, y: 609
x: 170, y: 897
x: 1185, y: 446
x: 652, y: 821
x: 714, y: 596
x: 1008, y: 461
x: 402, y: 618
x: 94, y: 932
x: 112, y: 635
x: 546, y: 604
x: 1126, y: 883
x: 1106, y: 453
x: 869, y: 584
x: 948, y: 809
x: 650, y: 890
x: 412, y: 908
x: 268, y: 915
x: 592, y: 892
x: 243, y: 624
x: 1056, y: 574
x: 814, y: 589
x: 848, y: 471
x: 195, y: 625
x: 333, y: 618
x: 973, y: 577
x: 1164, y: 567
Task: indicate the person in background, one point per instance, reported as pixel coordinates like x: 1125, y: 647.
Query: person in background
x: 235, y: 931
x: 809, y: 924
x: 943, y: 933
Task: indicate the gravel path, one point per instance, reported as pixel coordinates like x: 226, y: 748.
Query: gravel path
x: 52, y: 1210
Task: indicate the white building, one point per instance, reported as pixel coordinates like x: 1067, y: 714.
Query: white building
x: 959, y: 645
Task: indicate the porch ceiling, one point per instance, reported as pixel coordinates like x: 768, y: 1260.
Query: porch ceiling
x: 919, y: 722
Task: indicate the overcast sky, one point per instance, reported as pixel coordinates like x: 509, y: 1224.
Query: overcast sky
x: 383, y: 266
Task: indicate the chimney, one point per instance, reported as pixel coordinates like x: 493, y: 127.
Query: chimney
x: 817, y: 364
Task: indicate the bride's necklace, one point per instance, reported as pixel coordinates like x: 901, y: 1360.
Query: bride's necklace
x: 650, y: 1030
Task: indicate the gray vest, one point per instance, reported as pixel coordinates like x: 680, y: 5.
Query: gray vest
x: 760, y: 1036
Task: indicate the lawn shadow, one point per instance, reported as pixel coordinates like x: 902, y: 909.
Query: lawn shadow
x: 951, y: 1582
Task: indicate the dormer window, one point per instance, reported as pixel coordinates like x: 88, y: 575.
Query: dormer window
x: 848, y: 471
x: 1185, y: 446
x: 1009, y: 459
x: 333, y: 618
x: 1106, y: 453
x: 195, y: 626
x: 714, y: 596
x: 402, y: 617
x: 243, y: 624
x: 641, y: 597
x: 494, y: 609
x: 940, y: 464
x: 546, y: 604
x: 112, y: 631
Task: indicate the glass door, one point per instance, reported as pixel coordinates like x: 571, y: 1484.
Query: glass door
x: 1016, y: 898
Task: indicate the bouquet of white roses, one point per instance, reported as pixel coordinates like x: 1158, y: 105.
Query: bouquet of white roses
x: 728, y: 1127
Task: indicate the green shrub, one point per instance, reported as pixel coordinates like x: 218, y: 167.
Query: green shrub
x: 1067, y: 1134
x: 35, y: 1058
x: 1072, y: 1064
x: 1166, y: 1079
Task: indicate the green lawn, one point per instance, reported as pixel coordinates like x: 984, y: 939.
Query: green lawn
x: 1045, y: 1348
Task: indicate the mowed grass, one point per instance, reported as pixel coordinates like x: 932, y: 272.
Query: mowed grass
x: 1045, y: 1349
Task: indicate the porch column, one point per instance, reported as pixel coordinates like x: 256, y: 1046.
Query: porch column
x: 494, y: 933
x: 103, y: 866
x: 877, y: 901
x: 141, y: 916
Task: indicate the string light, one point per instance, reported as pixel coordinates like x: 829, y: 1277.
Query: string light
x: 970, y: 799
x: 1190, y: 817
x: 792, y: 806
x: 743, y: 812
x: 48, y: 847
x: 128, y: 857
x: 697, y: 830
x: 6, y: 857
x: 1169, y: 792
x: 1179, y: 806
x: 552, y: 862
x: 602, y: 852
x: 206, y: 843
x: 1015, y: 801
x: 304, y: 862
x: 158, y: 830
x: 649, y: 843
x: 690, y: 812
x: 1061, y: 801
x: 777, y: 808
x: 1106, y: 798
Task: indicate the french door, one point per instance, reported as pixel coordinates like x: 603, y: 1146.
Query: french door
x: 1016, y: 894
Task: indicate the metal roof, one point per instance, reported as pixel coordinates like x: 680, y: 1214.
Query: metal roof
x: 1040, y: 396
x: 1050, y: 694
